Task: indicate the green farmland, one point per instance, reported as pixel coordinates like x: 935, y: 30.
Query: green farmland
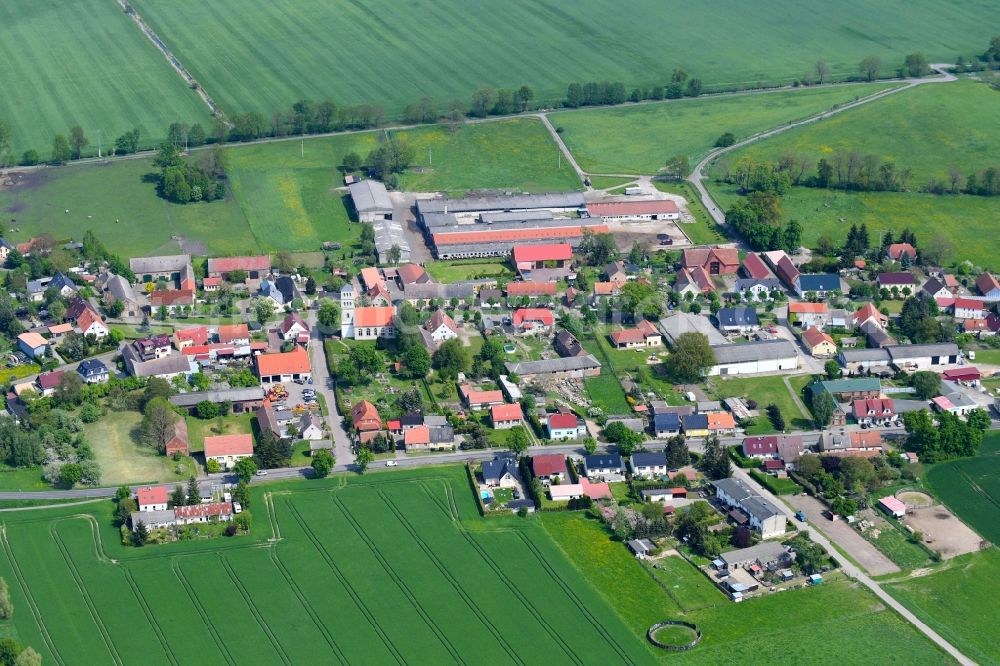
x: 971, y: 488
x: 639, y: 139
x: 929, y: 129
x: 382, y: 569
x: 264, y: 55
x: 83, y: 62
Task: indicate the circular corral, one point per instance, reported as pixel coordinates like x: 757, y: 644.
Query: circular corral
x: 914, y: 499
x: 674, y: 635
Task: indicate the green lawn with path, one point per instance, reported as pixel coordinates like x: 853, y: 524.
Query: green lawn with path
x: 639, y: 139
x: 765, y: 390
x: 233, y: 424
x: 451, y: 271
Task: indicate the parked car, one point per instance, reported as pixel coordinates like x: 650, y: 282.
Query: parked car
x: 391, y: 463
x: 261, y: 472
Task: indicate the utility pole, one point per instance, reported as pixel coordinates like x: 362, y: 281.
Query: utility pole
x: 98, y: 144
x: 430, y: 157
x: 559, y: 155
x: 303, y: 148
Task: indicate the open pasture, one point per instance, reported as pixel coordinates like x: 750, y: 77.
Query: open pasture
x: 639, y: 139
x: 83, y: 62
x: 265, y: 55
x: 380, y: 569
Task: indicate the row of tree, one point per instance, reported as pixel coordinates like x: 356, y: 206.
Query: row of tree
x: 757, y: 218
x: 596, y: 93
x: 188, y: 181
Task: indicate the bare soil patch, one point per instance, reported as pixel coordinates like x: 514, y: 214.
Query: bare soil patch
x: 943, y: 532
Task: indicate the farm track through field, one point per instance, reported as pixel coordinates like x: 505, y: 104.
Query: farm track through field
x: 238, y: 584
x: 502, y: 577
x: 26, y: 590
x: 150, y: 616
x: 400, y: 583
x: 91, y: 607
x: 307, y: 607
x: 446, y: 574
x: 976, y: 488
x: 186, y: 584
x: 372, y: 620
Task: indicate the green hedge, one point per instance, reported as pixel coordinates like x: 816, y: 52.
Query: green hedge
x: 475, y: 489
x: 774, y: 484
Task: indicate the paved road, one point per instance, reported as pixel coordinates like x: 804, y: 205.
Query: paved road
x: 697, y: 175
x: 324, y: 386
x: 854, y: 572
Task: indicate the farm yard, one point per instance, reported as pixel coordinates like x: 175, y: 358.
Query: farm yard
x: 83, y: 62
x: 640, y: 139
x: 839, y: 612
x: 264, y: 56
x: 374, y: 569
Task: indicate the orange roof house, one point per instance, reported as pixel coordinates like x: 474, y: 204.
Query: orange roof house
x: 374, y: 316
x: 796, y: 307
x: 295, y: 362
x: 229, y: 334
x: 713, y: 260
x: 217, y: 446
x: 531, y: 289
x: 151, y: 496
x: 720, y: 421
x: 364, y: 417
x: 526, y: 317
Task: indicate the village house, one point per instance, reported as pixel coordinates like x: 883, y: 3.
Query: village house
x: 284, y: 366
x: 476, y: 400
x: 874, y: 411
x: 310, y: 426
x: 737, y: 320
x: 549, y: 467
x: 179, y: 441
x: 606, y: 290
x: 935, y: 289
x: 228, y: 449
x: 869, y: 312
x: 533, y: 320
x: 648, y: 465
x: 93, y: 371
x: 820, y: 284
x: 439, y: 328
x: 501, y: 472
x: 422, y: 438
x: 818, y: 343
x: 762, y: 515
x: 988, y: 287
x: 694, y: 281
x: 968, y: 308
x: 663, y: 494
x: 255, y: 268
x: 32, y: 344
x: 643, y: 335
x: 604, y: 466
x: 90, y: 323
x: 586, y: 488
x: 365, y: 417
x: 807, y: 315
x: 566, y: 344
x: 897, y: 251
x: 518, y: 292
x: 188, y: 337
x: 203, y: 513
x: 294, y: 329
x: 897, y: 280
x: 565, y: 426
x: 155, y: 346
x: 721, y: 423
x: 714, y: 261
x: 166, y: 367
x: 503, y: 417
x: 757, y: 289
x: 666, y: 425
x: 152, y: 498
x: 527, y: 258
x: 764, y: 555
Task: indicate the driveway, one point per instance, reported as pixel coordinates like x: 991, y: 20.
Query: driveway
x: 323, y: 385
x: 845, y: 536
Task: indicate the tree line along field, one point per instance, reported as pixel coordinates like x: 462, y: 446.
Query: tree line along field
x: 639, y: 139
x: 83, y: 62
x: 283, y: 194
x: 264, y: 55
x: 379, y: 569
x: 835, y: 623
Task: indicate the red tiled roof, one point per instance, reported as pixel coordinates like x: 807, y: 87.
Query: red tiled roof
x: 877, y: 407
x: 229, y: 445
x: 727, y: 257
x: 548, y: 464
x: 759, y: 446
x: 796, y: 307
x: 531, y: 288
x: 612, y: 208
x: 968, y: 304
x: 509, y: 235
x: 986, y: 283
x: 474, y: 397
x: 228, y: 264
x: 533, y: 315
x: 606, y: 288
x: 720, y: 420
x: 371, y: 277
x: 439, y: 318
x: 627, y: 336
x: 374, y: 315
x: 152, y: 495
x: 364, y: 416
x: 50, y: 380
x: 419, y: 435
x: 549, y: 252
x: 235, y: 332
x: 211, y: 282
x: 562, y: 421
x: 868, y: 311
x: 754, y: 267
x: 506, y: 413
x: 197, y: 335
x: 897, y: 250
x: 88, y: 318
x: 290, y: 321
x: 410, y: 273
x: 787, y: 271
x: 172, y: 297
x: 595, y: 490
x: 287, y: 363
x: 813, y: 337
x: 59, y: 329
x: 204, y: 510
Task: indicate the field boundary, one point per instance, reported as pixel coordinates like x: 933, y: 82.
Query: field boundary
x: 390, y: 646
x: 200, y: 609
x: 26, y: 590
x: 400, y: 583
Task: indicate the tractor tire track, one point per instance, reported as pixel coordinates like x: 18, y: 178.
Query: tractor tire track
x: 372, y: 620
x: 186, y: 584
x: 407, y: 592
x: 26, y: 590
x: 228, y: 567
x: 150, y: 617
x: 451, y: 579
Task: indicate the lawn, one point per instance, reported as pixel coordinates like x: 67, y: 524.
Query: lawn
x: 17, y: 372
x: 971, y: 488
x: 450, y: 271
x: 199, y: 429
x: 640, y: 139
x: 965, y: 222
x: 101, y: 74
x: 839, y: 612
x: 113, y: 200
x: 384, y: 568
x: 22, y: 478
x: 898, y: 548
x: 704, y: 230
x: 123, y: 459
x: 957, y: 604
x: 765, y: 390
x: 929, y: 129
x: 605, y: 392
x: 687, y: 586
x: 776, y: 485
x: 264, y: 56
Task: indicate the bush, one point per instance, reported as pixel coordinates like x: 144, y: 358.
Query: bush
x: 213, y: 467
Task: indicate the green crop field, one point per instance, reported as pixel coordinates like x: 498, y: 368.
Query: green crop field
x: 965, y: 222
x: 958, y: 602
x: 930, y: 129
x: 83, y: 62
x: 257, y: 55
x: 640, y: 139
x: 379, y: 569
x: 971, y: 488
x: 799, y: 626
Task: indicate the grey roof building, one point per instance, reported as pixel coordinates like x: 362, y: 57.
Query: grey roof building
x: 558, y: 200
x: 684, y: 322
x: 581, y: 364
x: 764, y: 553
x: 370, y: 198
x: 738, y: 318
x: 250, y: 394
x: 754, y: 351
x: 163, y: 265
